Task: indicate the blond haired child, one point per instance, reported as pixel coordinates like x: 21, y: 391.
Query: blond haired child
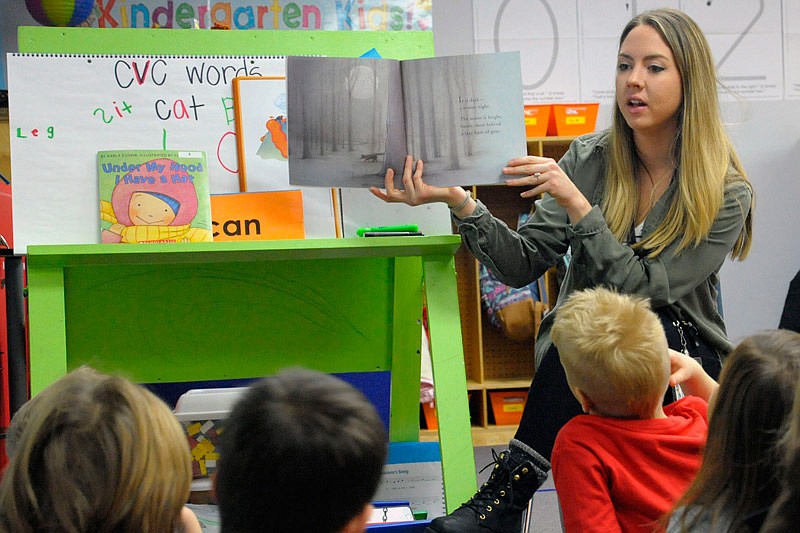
x: 622, y: 465
x: 96, y: 453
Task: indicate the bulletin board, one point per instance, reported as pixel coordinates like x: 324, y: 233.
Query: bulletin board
x: 46, y: 212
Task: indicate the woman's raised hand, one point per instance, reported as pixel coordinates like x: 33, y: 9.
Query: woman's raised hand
x: 545, y: 176
x: 415, y: 191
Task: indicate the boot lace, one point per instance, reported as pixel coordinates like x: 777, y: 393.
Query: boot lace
x: 496, y: 489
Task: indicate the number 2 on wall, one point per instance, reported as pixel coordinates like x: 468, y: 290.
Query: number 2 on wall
x: 741, y: 36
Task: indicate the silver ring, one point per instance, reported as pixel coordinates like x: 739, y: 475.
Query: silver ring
x: 536, y: 176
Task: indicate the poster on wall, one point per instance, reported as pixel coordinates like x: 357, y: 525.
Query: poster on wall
x: 568, y: 49
x: 548, y: 53
x: 372, y: 15
x: 791, y: 31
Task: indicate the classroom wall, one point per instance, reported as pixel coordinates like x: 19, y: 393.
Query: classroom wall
x: 767, y: 137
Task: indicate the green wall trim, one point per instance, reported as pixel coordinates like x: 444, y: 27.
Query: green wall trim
x: 148, y: 41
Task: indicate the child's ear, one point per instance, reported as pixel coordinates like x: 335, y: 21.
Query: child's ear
x: 586, y: 403
x: 358, y: 524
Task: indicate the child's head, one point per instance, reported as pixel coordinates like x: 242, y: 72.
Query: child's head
x: 784, y: 515
x: 96, y: 453
x: 614, y: 352
x: 17, y: 426
x: 305, y: 445
x: 748, y: 414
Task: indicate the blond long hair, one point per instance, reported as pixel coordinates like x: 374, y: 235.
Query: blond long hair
x: 703, y: 153
x: 96, y: 453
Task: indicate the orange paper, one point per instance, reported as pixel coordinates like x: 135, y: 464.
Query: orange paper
x: 257, y: 216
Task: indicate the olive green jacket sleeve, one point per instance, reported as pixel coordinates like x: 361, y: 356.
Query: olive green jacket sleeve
x: 687, y: 281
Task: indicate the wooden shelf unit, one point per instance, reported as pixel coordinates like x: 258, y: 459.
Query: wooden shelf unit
x: 492, y: 360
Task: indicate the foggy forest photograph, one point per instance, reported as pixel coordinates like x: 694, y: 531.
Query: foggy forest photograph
x: 350, y: 119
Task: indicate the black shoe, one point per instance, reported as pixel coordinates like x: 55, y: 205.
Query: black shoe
x: 499, y: 504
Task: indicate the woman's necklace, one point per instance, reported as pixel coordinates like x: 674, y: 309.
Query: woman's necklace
x: 657, y: 188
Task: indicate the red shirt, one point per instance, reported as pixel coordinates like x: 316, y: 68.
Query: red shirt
x: 614, y: 474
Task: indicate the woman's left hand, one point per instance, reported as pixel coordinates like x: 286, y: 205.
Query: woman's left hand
x: 545, y: 176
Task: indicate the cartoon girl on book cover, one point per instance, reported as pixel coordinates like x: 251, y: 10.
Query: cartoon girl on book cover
x: 148, y: 208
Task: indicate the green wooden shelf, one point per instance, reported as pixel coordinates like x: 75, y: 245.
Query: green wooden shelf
x: 219, y: 252
x: 206, y: 311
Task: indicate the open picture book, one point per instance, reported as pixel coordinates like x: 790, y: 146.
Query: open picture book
x: 353, y: 118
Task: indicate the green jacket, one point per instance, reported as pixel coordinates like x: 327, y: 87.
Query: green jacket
x: 688, y: 281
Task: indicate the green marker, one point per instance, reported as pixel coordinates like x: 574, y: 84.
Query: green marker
x: 385, y: 229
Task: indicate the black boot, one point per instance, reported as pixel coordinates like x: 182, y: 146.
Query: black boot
x: 499, y: 504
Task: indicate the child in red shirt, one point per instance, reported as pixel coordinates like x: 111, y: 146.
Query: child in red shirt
x: 622, y: 465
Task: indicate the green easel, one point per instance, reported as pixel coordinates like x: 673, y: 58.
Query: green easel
x: 343, y: 305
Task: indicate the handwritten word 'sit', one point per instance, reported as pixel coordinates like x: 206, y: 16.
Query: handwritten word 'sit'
x: 119, y: 109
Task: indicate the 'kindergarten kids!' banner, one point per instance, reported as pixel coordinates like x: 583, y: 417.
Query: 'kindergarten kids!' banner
x: 381, y: 15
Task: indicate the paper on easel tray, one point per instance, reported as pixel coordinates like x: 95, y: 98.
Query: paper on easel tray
x: 413, y: 473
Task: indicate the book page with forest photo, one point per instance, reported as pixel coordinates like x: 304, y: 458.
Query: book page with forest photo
x: 353, y: 118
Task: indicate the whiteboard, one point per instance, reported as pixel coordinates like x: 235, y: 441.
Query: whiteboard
x: 64, y: 108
